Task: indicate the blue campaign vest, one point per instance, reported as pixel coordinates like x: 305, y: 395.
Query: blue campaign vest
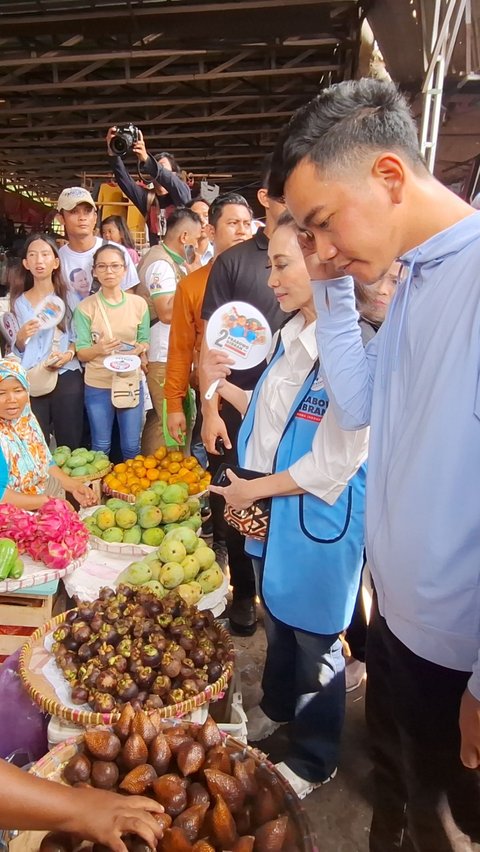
x: 312, y: 557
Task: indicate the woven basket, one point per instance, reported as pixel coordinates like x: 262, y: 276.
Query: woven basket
x: 94, y: 477
x: 51, y: 767
x: 42, y: 692
x: 110, y: 492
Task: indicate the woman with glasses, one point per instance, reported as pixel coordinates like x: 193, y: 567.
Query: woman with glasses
x: 109, y: 322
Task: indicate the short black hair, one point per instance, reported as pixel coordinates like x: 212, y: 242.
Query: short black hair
x: 342, y: 124
x: 180, y: 216
x: 193, y: 201
x: 171, y: 159
x: 221, y: 201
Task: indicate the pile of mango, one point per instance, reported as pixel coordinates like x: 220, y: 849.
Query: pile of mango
x: 80, y: 462
x: 156, y: 511
x: 135, y: 475
x: 182, y: 562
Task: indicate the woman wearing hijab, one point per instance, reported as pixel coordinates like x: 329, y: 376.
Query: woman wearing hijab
x: 28, y: 463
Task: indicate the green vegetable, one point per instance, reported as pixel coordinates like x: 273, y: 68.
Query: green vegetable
x: 8, y: 555
x: 17, y: 570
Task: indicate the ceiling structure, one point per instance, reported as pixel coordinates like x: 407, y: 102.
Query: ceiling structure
x: 212, y: 81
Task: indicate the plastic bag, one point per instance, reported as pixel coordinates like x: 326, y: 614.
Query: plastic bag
x: 23, y: 726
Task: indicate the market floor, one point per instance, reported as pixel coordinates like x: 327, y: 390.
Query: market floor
x: 340, y: 811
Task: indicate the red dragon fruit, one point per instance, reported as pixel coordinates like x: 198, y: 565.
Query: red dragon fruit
x: 53, y: 535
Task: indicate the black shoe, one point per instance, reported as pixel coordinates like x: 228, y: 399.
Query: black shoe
x: 243, y: 616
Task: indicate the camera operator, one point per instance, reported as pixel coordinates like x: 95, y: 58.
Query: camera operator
x: 169, y: 191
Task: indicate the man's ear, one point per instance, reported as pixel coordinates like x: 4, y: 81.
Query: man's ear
x: 59, y: 218
x: 210, y: 232
x: 262, y: 196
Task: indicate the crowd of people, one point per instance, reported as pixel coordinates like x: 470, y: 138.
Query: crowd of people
x: 353, y: 222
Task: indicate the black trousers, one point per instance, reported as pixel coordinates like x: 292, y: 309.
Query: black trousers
x: 240, y: 565
x: 425, y: 799
x: 60, y: 412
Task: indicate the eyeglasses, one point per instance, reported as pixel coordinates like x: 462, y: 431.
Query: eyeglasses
x: 115, y: 267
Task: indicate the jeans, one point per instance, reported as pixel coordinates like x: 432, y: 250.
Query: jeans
x: 304, y: 682
x: 425, y: 799
x: 101, y: 416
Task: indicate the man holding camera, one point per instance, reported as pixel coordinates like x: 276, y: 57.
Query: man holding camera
x: 169, y: 188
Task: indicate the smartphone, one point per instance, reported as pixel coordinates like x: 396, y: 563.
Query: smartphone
x: 125, y: 347
x: 220, y: 477
x: 190, y: 253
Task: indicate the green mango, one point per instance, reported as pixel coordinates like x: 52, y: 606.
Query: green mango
x: 153, y: 536
x: 81, y: 470
x: 113, y: 534
x: 133, y: 535
x: 114, y: 503
x: 77, y: 461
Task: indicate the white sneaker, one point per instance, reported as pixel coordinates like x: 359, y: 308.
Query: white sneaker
x: 355, y: 674
x: 301, y: 786
x: 259, y: 725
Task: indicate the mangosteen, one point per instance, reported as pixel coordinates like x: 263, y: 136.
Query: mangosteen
x: 190, y: 687
x: 153, y: 702
x: 112, y: 614
x: 96, y: 622
x: 85, y: 652
x: 137, y: 612
x: 214, y: 670
x: 176, y: 651
x: 142, y: 696
x: 71, y: 616
x: 91, y: 680
x: 108, y: 633
x: 122, y: 627
x: 144, y: 677
x: 105, y: 594
x: 70, y: 644
x: 201, y: 676
x: 70, y: 674
x: 103, y: 702
x: 79, y: 694
x: 197, y: 656
x: 81, y: 632
x: 154, y: 607
x: 151, y: 656
x: 61, y: 633
x: 177, y: 625
x: 164, y: 619
x: 170, y: 666
x: 158, y: 641
x: 134, y: 667
x: 67, y: 659
x: 85, y: 611
x: 105, y: 652
x: 107, y: 681
x: 161, y: 685
x: 176, y: 696
x: 187, y: 639
x: 127, y: 689
x: 207, y: 646
x: 187, y: 668
x: 119, y: 663
x: 96, y: 644
x: 124, y: 647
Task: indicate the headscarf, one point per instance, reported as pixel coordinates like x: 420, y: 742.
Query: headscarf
x: 21, y: 440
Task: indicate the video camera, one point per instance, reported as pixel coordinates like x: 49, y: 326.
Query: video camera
x: 124, y: 138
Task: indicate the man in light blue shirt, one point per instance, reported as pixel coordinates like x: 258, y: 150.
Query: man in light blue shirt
x: 349, y: 168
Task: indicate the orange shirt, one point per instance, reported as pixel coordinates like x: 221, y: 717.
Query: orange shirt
x: 186, y: 334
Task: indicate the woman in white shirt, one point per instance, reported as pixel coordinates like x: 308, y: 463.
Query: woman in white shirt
x: 309, y: 564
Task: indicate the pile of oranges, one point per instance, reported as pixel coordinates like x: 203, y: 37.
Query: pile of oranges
x: 135, y: 475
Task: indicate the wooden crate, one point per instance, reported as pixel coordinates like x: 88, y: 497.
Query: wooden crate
x: 20, y: 615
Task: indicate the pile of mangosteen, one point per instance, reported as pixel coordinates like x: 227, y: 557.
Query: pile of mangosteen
x: 130, y: 646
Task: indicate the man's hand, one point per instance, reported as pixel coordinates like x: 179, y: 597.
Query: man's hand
x: 237, y: 493
x: 177, y: 426
x: 318, y: 270
x: 469, y: 721
x: 213, y: 427
x: 107, y: 347
x: 140, y: 150
x: 103, y: 817
x: 108, y: 138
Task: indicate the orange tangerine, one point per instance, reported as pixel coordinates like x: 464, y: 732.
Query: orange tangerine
x: 120, y: 468
x: 135, y: 489
x: 175, y: 456
x: 160, y: 453
x: 174, y: 477
x: 139, y: 457
x: 122, y: 477
x: 174, y: 467
x: 194, y: 488
x: 191, y: 476
x: 183, y: 471
x: 150, y: 462
x: 153, y: 474
x: 190, y: 462
x: 145, y: 483
x: 164, y: 464
x: 164, y: 476
x: 115, y: 483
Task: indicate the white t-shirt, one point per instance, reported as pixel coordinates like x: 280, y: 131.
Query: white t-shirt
x: 160, y: 280
x: 77, y: 268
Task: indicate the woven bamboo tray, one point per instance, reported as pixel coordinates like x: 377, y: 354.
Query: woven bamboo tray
x: 94, y: 477
x: 34, y: 655
x: 110, y: 492
x: 51, y: 767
